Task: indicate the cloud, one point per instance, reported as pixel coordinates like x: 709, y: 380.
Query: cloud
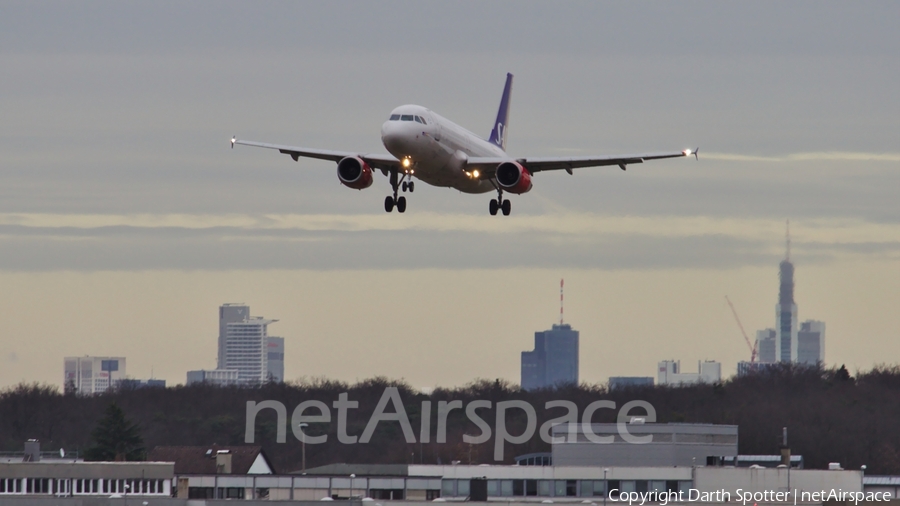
x: 44, y: 241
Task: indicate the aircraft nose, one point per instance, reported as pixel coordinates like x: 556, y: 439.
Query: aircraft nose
x: 392, y: 136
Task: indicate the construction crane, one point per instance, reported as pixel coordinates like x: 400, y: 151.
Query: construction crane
x: 738, y: 320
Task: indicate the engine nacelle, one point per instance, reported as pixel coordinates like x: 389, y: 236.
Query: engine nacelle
x: 513, y: 177
x: 354, y: 173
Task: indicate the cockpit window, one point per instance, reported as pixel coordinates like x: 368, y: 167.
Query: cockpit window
x: 395, y: 117
x: 421, y: 120
x: 406, y: 117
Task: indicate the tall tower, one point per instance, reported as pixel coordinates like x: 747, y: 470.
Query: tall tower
x: 786, y: 309
x: 554, y: 360
x: 229, y: 313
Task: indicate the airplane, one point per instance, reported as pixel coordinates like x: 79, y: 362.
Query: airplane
x: 426, y: 146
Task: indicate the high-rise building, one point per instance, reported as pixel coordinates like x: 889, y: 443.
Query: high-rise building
x: 765, y: 346
x: 669, y: 373
x: 554, y: 360
x: 92, y: 375
x: 275, y: 359
x: 786, y: 315
x: 811, y: 342
x: 247, y: 353
x: 246, y: 349
x: 229, y: 313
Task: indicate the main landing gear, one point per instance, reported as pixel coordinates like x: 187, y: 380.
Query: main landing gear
x: 398, y: 182
x: 499, y: 204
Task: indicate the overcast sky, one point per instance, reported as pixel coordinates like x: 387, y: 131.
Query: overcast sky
x: 125, y: 219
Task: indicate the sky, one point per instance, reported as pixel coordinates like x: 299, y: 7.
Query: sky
x: 126, y: 219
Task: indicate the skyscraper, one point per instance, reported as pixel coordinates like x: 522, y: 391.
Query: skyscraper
x: 786, y: 310
x: 811, y: 342
x: 765, y: 344
x: 229, y: 313
x: 554, y: 360
x: 244, y: 346
x: 275, y: 359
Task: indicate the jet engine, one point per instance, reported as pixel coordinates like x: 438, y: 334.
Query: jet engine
x: 354, y: 173
x: 513, y: 177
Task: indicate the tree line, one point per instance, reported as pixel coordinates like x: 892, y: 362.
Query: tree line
x: 831, y: 416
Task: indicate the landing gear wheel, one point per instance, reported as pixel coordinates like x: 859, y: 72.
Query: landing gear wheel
x: 493, y: 207
x: 412, y: 186
x: 507, y: 207
x: 389, y: 204
x: 404, y: 185
x: 401, y: 204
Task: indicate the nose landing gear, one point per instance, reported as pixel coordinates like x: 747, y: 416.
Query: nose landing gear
x: 398, y: 182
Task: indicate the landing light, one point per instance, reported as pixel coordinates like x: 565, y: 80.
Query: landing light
x: 406, y: 162
x: 687, y: 152
x: 475, y: 173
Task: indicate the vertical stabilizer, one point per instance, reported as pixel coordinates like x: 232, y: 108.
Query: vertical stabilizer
x: 498, y: 134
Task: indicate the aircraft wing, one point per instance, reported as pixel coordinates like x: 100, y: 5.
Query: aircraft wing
x: 488, y: 165
x: 376, y: 161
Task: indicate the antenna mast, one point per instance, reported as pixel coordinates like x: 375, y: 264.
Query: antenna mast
x: 561, y: 281
x: 787, y: 240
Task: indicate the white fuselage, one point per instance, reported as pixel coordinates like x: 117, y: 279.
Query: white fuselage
x: 437, y: 149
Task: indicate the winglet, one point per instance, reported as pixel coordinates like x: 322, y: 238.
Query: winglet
x: 689, y: 152
x: 233, y: 140
x: 498, y: 134
x: 696, y: 155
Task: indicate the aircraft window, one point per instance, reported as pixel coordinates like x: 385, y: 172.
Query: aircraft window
x: 395, y: 117
x: 406, y: 117
x: 421, y: 120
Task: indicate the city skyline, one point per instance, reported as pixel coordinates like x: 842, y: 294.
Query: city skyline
x: 126, y: 216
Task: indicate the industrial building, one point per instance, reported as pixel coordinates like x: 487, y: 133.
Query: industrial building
x: 644, y: 444
x: 92, y: 375
x: 669, y: 373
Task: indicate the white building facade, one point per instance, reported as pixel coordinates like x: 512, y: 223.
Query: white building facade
x: 669, y: 373
x: 221, y: 377
x: 92, y: 375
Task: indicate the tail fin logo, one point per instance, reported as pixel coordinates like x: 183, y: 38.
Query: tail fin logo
x: 498, y: 134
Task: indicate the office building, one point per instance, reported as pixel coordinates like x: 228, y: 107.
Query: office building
x: 244, y: 345
x: 134, y: 384
x: 92, y: 375
x: 669, y: 373
x: 275, y: 359
x: 554, y: 360
x: 811, y: 342
x: 229, y: 313
x: 765, y: 346
x: 616, y: 382
x: 220, y: 377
